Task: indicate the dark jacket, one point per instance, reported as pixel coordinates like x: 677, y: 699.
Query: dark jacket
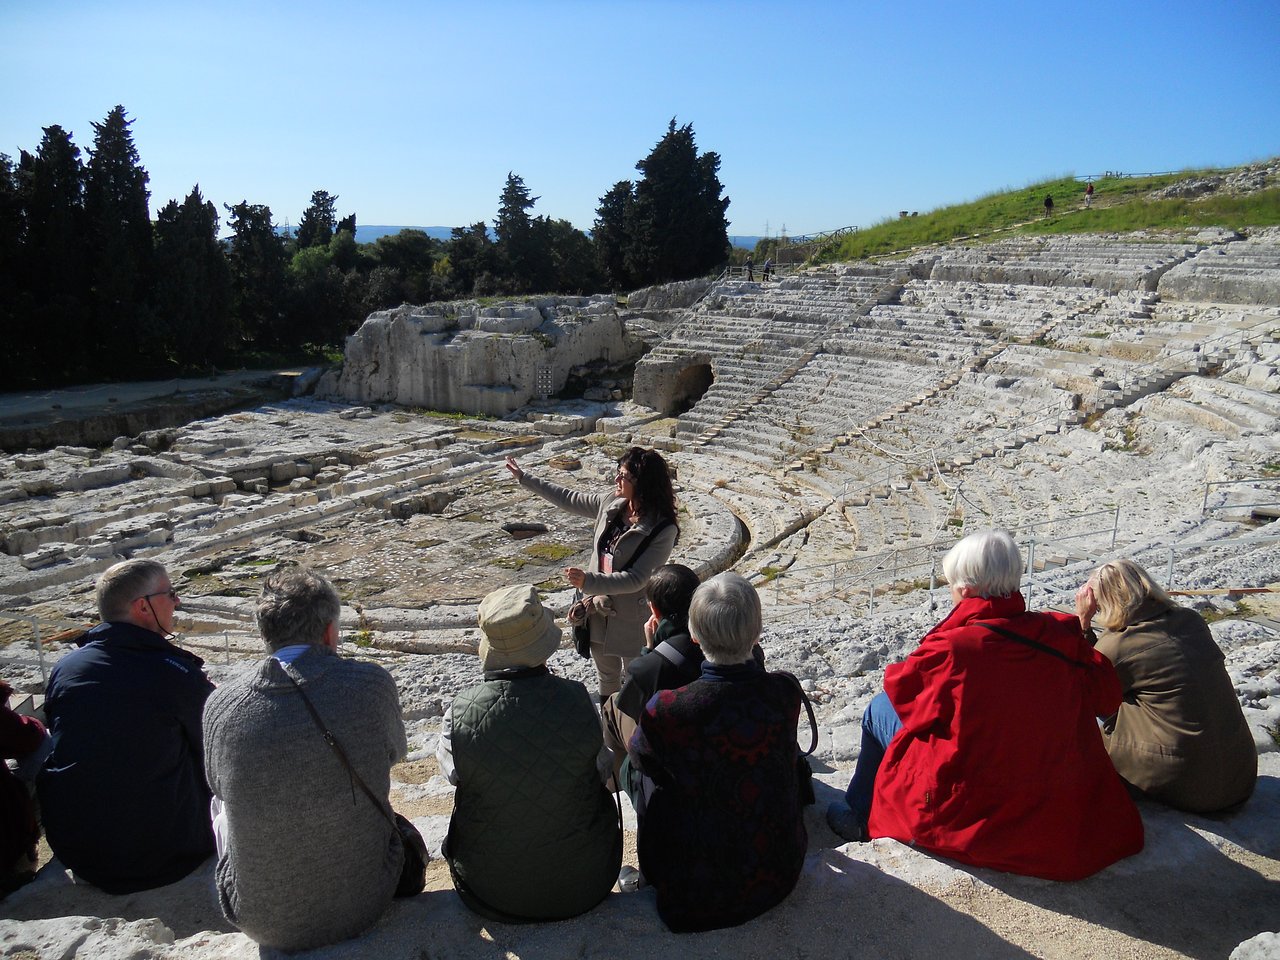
x: 1179, y: 735
x: 19, y: 737
x: 723, y: 838
x: 123, y: 794
x: 622, y: 634
x: 534, y: 834
x: 999, y: 762
x: 657, y: 669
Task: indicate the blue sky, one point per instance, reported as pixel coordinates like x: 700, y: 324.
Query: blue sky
x: 824, y: 114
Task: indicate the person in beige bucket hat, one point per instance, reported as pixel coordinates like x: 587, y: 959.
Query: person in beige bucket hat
x: 516, y: 629
x: 534, y: 834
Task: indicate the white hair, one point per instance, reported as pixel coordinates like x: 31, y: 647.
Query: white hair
x: 987, y: 562
x: 725, y: 618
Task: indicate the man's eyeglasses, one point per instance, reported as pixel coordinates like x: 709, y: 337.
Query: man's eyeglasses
x: 171, y: 593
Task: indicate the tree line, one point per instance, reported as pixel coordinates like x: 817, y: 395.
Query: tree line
x: 92, y: 289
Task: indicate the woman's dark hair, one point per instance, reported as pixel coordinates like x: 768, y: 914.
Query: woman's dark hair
x: 652, y: 481
x: 670, y: 590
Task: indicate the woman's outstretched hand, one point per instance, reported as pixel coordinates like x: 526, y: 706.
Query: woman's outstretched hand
x: 514, y: 468
x: 576, y: 576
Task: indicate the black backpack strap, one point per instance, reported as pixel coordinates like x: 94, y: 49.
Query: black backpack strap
x: 1034, y: 644
x: 669, y: 653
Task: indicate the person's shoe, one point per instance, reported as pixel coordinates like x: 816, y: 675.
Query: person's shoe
x: 845, y: 823
x: 630, y: 879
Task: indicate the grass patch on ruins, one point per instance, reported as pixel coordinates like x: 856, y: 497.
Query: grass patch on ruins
x: 551, y: 552
x: 1121, y: 204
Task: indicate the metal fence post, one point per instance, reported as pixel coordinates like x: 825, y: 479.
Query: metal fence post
x: 1168, y: 579
x: 1115, y: 526
x: 871, y: 601
x: 35, y: 636
x: 1031, y: 567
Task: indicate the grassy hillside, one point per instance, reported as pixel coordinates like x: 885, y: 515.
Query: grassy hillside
x: 1119, y: 204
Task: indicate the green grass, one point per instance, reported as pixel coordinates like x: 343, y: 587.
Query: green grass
x: 1119, y: 205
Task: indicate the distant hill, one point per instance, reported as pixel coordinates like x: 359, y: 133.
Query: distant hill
x: 369, y: 233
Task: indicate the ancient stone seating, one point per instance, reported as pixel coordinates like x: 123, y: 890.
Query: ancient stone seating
x: 1093, y: 261
x: 1246, y: 272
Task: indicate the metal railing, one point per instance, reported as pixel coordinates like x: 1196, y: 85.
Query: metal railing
x: 912, y: 563
x: 1211, y: 484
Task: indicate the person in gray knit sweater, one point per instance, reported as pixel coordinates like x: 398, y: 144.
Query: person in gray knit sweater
x: 304, y: 857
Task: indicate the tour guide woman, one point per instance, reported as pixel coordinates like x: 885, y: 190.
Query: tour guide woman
x: 641, y: 507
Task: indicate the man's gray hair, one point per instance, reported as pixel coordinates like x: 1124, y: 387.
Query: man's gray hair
x: 124, y: 583
x: 987, y: 562
x: 296, y: 606
x: 725, y: 618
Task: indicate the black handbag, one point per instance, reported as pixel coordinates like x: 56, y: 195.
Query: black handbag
x: 413, y: 875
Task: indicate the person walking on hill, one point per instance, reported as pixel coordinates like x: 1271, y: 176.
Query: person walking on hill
x: 1088, y: 194
x: 1048, y: 205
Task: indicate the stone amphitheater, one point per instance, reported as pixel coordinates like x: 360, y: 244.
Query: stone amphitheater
x: 833, y: 432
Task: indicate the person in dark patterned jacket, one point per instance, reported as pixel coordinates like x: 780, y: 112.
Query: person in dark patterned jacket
x: 722, y: 838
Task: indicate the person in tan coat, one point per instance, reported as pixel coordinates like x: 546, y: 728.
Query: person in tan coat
x: 636, y: 528
x: 1179, y: 736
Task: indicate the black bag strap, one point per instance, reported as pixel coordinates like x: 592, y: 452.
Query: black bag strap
x: 332, y: 741
x: 1034, y: 644
x: 644, y: 545
x: 808, y: 708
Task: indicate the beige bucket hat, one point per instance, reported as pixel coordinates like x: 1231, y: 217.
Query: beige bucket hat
x: 517, y: 630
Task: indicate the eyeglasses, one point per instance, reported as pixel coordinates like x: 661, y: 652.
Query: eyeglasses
x: 171, y: 593
x: 624, y: 477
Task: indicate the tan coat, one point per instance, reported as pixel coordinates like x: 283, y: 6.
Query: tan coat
x: 1180, y: 735
x: 622, y: 634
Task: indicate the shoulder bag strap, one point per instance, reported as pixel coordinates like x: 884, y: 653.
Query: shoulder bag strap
x: 1034, y: 644
x: 808, y: 708
x: 332, y: 741
x: 644, y: 545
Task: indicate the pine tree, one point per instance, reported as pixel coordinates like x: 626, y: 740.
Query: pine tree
x: 676, y: 227
x: 119, y: 235
x: 523, y: 260
x: 55, y: 344
x: 256, y: 258
x: 316, y: 227
x: 609, y: 235
x: 192, y: 292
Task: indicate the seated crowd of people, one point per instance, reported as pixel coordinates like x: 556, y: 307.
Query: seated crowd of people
x: 1007, y: 739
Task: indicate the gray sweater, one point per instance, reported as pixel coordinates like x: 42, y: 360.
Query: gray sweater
x: 309, y: 860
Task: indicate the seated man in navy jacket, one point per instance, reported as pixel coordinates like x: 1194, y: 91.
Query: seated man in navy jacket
x: 670, y: 658
x: 123, y: 794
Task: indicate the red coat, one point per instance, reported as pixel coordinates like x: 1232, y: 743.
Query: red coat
x: 1000, y: 762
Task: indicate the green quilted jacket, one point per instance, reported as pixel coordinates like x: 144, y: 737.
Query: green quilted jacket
x: 534, y: 834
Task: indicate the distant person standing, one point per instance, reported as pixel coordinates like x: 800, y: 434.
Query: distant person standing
x: 749, y: 265
x: 1048, y: 204
x: 768, y: 268
x: 1088, y: 194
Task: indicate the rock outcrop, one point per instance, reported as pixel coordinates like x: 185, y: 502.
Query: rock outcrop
x: 480, y: 359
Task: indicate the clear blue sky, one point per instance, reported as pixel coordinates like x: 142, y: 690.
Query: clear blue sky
x: 824, y: 114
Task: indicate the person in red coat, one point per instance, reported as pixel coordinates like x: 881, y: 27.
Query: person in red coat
x: 984, y: 746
